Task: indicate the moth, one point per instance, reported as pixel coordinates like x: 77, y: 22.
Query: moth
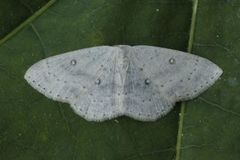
x: 104, y: 82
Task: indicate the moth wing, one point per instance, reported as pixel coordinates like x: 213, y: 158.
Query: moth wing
x: 172, y: 75
x: 83, y: 78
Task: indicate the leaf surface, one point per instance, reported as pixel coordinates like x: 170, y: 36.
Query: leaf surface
x: 211, y: 123
x: 34, y: 127
x: 13, y: 12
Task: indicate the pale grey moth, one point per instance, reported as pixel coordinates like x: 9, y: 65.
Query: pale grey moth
x: 142, y: 82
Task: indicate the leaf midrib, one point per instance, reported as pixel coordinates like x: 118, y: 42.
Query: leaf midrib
x: 183, y: 104
x: 28, y: 21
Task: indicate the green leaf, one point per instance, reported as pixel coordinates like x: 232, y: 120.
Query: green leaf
x: 13, y: 12
x: 210, y: 123
x: 34, y: 127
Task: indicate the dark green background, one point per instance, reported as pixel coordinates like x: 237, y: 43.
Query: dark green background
x: 212, y: 121
x: 13, y: 12
x: 34, y: 127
